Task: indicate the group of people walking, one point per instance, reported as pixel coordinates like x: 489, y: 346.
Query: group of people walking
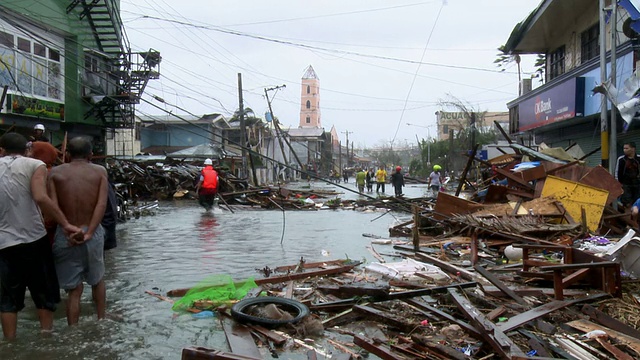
x: 72, y: 196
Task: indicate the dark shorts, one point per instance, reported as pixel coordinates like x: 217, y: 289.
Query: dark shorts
x: 28, y: 266
x: 206, y: 198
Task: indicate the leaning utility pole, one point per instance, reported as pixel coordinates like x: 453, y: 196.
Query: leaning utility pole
x: 243, y: 138
x: 276, y: 125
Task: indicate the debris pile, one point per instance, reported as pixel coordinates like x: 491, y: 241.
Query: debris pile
x: 539, y: 263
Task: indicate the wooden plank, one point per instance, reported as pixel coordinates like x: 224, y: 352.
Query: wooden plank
x: 587, y: 326
x: 617, y: 353
x: 489, y: 331
x: 376, y: 349
x: 447, y: 351
x: 239, y: 338
x: 600, y: 178
x: 424, y: 308
x: 543, y: 310
x: 283, y: 278
x: 384, y: 318
x: 201, y: 353
x: 271, y: 335
x: 500, y: 285
x: 496, y: 312
x: 452, y: 269
x: 606, y: 320
x: 448, y: 205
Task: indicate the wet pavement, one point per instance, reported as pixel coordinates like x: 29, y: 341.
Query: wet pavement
x: 179, y: 246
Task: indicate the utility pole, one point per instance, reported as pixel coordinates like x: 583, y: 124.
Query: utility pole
x: 613, y: 145
x: 347, y: 133
x: 472, y: 122
x: 276, y: 125
x: 243, y: 138
x: 604, y: 129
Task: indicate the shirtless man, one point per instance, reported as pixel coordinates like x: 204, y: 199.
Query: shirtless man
x: 25, y: 252
x: 80, y: 190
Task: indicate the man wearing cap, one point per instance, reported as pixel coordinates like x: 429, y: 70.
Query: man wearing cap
x: 38, y: 134
x: 397, y: 180
x: 207, y: 187
x: 435, y: 179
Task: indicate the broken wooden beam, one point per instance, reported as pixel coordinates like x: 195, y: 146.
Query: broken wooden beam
x: 384, y: 317
x: 426, y: 308
x: 498, y: 340
x: 500, y: 285
x: 239, y: 338
x: 446, y: 351
x: 283, y: 278
x: 543, y: 310
x: 201, y: 353
x: 612, y: 323
x: 587, y: 326
x: 376, y: 349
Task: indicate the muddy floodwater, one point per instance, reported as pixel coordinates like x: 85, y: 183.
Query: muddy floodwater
x: 179, y: 246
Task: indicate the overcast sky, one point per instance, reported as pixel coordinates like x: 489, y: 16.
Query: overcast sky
x: 381, y: 63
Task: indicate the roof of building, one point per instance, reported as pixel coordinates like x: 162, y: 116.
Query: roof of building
x: 310, y: 73
x: 305, y: 132
x: 171, y: 119
x: 549, y: 20
x: 202, y: 151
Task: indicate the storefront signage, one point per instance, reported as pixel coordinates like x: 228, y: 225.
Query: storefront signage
x: 35, y: 107
x: 561, y: 102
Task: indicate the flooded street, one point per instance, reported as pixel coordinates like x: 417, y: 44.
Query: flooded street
x: 180, y: 246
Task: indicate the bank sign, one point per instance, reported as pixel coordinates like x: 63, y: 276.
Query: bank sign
x: 563, y: 101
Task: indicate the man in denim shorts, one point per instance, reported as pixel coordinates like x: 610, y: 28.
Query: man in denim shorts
x: 25, y: 252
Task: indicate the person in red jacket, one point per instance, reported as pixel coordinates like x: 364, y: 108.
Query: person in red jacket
x: 207, y: 187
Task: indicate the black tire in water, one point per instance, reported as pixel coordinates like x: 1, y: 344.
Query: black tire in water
x: 296, y: 308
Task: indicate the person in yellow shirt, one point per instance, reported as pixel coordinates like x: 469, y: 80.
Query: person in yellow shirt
x: 381, y: 178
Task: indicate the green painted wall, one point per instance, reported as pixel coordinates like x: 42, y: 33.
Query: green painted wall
x: 52, y: 14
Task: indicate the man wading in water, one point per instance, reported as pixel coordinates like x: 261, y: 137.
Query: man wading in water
x: 80, y: 189
x: 207, y: 187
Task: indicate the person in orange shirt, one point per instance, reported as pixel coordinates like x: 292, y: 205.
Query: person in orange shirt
x: 207, y: 187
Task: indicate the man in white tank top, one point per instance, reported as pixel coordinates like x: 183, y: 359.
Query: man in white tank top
x: 26, y: 260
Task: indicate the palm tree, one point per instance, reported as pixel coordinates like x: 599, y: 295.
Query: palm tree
x: 503, y: 59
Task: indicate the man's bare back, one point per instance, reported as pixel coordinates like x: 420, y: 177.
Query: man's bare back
x: 80, y: 188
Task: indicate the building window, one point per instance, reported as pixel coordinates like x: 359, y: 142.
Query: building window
x: 590, y: 44
x: 54, y: 55
x: 557, y: 63
x: 24, y: 45
x: 6, y: 39
x: 445, y: 129
x: 308, y: 104
x: 39, y: 49
x: 308, y: 89
x: 308, y: 119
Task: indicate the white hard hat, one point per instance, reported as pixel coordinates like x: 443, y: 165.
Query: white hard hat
x: 208, y: 162
x: 39, y: 127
